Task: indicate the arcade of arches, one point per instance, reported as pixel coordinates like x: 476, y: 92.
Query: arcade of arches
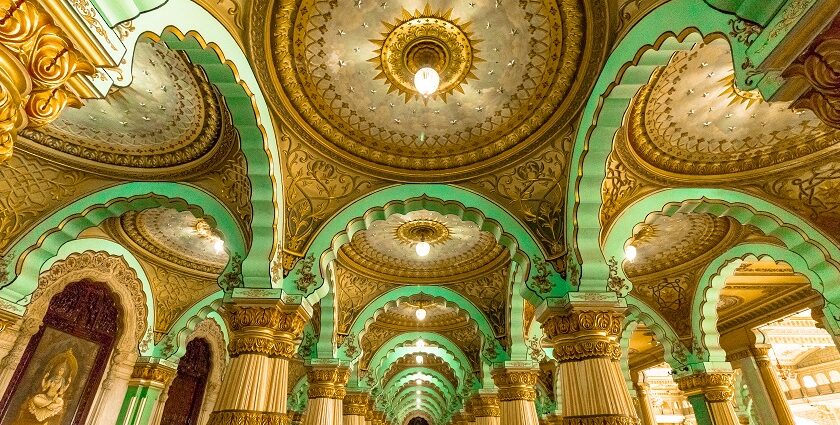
x: 419, y: 212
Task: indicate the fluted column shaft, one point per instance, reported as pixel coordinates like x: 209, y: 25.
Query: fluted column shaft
x: 326, y: 394
x: 517, y: 391
x: 769, y: 378
x: 710, y: 393
x: 263, y: 338
x: 486, y: 409
x: 355, y: 407
x: 646, y: 409
x: 587, y: 349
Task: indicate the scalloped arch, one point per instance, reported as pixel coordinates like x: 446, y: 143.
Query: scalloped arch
x: 639, y: 312
x: 427, y: 375
x: 45, y: 239
x: 407, y: 342
x: 704, y: 305
x: 186, y: 323
x: 394, y: 354
x: 678, y: 24
x: 210, y: 45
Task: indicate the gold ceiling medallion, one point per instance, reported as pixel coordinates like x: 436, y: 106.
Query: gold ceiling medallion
x: 426, y: 39
x: 429, y: 231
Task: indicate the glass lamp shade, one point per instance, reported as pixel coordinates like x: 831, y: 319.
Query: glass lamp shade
x: 419, y: 359
x: 419, y: 382
x: 630, y: 252
x: 426, y: 81
x: 420, y: 313
x: 422, y: 248
x: 421, y: 343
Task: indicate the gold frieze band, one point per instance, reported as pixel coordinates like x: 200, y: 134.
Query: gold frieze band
x: 245, y: 417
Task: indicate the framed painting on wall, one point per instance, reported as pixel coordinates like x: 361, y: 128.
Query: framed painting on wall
x: 52, y: 386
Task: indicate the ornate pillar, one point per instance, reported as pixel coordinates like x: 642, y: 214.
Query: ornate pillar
x: 770, y: 381
x: 710, y: 393
x: 586, y: 345
x: 327, y: 380
x: 486, y: 409
x: 645, y: 408
x: 517, y: 383
x: 255, y: 386
x: 146, y: 395
x: 355, y: 408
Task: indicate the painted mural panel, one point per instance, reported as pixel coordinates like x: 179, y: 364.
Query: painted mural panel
x: 50, y: 390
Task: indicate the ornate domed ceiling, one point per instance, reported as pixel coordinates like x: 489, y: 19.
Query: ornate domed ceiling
x: 386, y: 250
x: 168, y: 117
x: 691, y: 120
x: 511, y: 75
x: 439, y: 316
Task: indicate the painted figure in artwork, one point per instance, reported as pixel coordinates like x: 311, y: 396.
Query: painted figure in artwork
x: 47, y: 405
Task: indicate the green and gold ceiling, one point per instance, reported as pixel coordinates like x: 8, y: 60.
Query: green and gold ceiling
x: 563, y: 131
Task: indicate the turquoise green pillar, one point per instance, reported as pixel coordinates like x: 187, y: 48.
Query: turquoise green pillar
x: 146, y: 395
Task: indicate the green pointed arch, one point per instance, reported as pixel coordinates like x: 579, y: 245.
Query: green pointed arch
x: 797, y: 235
x: 174, y: 344
x: 405, y: 343
x: 407, y: 400
x: 713, y: 280
x: 676, y: 25
x: 209, y: 45
x: 453, y: 299
x: 43, y: 241
x: 425, y: 391
x: 639, y: 312
x: 442, y: 198
x: 453, y: 360
x: 412, y: 374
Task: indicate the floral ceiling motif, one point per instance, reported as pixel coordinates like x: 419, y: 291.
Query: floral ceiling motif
x: 524, y: 65
x: 386, y: 249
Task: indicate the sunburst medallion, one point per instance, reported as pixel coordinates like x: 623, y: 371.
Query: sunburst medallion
x: 426, y: 38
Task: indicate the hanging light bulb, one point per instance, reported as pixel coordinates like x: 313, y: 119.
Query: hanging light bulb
x: 419, y: 382
x: 630, y: 253
x: 420, y: 313
x: 426, y: 81
x: 419, y: 359
x: 219, y: 246
x: 422, y: 248
x: 418, y: 392
x: 421, y: 343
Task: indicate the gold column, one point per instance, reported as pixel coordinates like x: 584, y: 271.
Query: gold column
x: 326, y: 393
x: 297, y: 418
x: 643, y: 394
x: 355, y: 408
x: 517, y: 392
x: 771, y: 384
x: 710, y: 393
x: 486, y: 409
x: 586, y: 346
x: 40, y: 68
x: 263, y: 335
x: 147, y: 392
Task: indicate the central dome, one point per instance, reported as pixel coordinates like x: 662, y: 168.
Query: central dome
x: 343, y: 72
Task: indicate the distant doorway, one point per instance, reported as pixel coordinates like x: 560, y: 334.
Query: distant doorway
x: 418, y: 421
x: 183, y: 403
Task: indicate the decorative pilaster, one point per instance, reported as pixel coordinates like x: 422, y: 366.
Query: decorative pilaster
x: 355, y: 408
x: 254, y: 389
x: 586, y: 346
x: 327, y: 383
x: 485, y: 408
x: 517, y: 383
x: 770, y: 381
x: 710, y: 393
x: 146, y: 395
x: 645, y: 408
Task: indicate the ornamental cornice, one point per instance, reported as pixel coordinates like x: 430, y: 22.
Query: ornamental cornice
x: 246, y: 417
x: 714, y: 386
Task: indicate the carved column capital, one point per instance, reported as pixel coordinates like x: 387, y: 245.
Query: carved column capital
x: 516, y: 384
x: 269, y: 329
x: 486, y: 406
x: 819, y: 67
x: 328, y: 381
x: 761, y: 354
x: 356, y: 403
x: 714, y: 386
x: 587, y: 332
x: 148, y: 372
x: 40, y: 70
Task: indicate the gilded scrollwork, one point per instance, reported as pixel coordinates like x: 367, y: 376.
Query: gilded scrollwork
x: 354, y: 292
